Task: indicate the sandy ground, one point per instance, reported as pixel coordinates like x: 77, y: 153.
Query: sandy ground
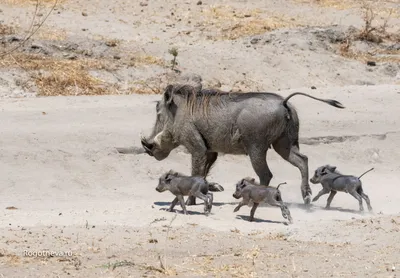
x: 65, y: 189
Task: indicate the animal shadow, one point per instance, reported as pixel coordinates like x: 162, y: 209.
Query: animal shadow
x: 181, y: 211
x: 216, y: 204
x: 162, y: 204
x: 343, y: 210
x: 258, y: 220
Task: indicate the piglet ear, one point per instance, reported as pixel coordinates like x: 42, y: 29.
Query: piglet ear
x: 168, y: 178
x: 253, y: 180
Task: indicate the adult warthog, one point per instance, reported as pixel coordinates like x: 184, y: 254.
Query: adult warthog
x: 208, y: 122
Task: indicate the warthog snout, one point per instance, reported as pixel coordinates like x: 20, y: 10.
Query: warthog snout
x: 312, y: 180
x: 147, y: 147
x: 236, y: 196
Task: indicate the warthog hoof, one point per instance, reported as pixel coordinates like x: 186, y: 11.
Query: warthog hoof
x: 307, y: 199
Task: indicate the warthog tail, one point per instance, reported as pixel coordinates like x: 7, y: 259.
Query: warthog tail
x: 332, y: 102
x: 215, y: 187
x: 280, y: 184
x: 365, y: 173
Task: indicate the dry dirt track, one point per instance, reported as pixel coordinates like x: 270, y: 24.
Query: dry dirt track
x: 73, y: 192
x: 64, y: 187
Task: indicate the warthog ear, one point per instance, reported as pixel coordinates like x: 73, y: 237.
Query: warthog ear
x: 172, y: 172
x: 168, y: 178
x: 323, y: 171
x: 168, y: 94
x: 243, y: 183
x: 253, y: 180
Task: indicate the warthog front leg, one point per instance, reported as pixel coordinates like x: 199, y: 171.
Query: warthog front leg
x: 201, y: 165
x: 210, y: 201
x: 253, y: 210
x: 330, y: 198
x: 244, y: 202
x: 173, y: 204
x: 322, y: 192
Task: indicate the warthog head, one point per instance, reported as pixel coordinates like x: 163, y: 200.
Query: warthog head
x: 321, y: 172
x: 164, y: 181
x: 241, y: 185
x: 160, y: 143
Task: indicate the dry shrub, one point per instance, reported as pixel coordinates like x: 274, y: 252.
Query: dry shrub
x: 6, y: 30
x: 233, y: 25
x: 374, y: 33
x: 55, y: 77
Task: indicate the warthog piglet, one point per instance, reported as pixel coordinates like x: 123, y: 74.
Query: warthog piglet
x: 249, y: 190
x: 181, y: 185
x: 333, y: 181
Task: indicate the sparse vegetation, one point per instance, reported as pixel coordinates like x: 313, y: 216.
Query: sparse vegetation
x: 374, y: 33
x: 174, y: 52
x: 6, y: 30
x: 230, y: 24
x: 116, y: 264
x: 59, y: 76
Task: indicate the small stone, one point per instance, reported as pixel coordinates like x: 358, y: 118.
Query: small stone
x: 116, y: 57
x: 254, y: 40
x: 313, y: 88
x: 84, y: 14
x: 143, y: 4
x: 36, y: 46
x: 371, y: 63
x: 199, y: 3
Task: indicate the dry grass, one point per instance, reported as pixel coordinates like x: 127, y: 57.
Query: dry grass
x: 381, y: 7
x: 337, y: 4
x: 6, y: 30
x: 31, y: 2
x: 47, y: 33
x: 147, y: 60
x: 231, y: 24
x: 377, y: 55
x: 55, y: 77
